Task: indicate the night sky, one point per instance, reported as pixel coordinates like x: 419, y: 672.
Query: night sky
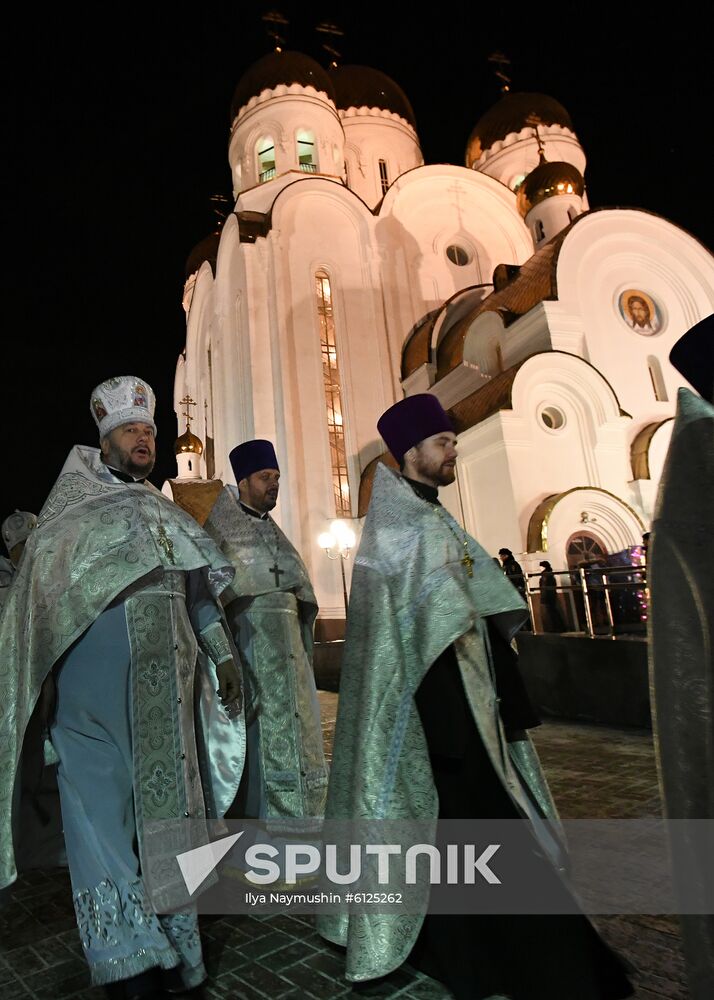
x: 116, y: 127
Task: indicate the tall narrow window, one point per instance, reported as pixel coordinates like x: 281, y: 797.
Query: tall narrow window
x: 383, y: 176
x: 333, y: 396
x: 209, y: 453
x: 658, y: 384
x: 306, y: 151
x: 539, y: 231
x: 266, y: 159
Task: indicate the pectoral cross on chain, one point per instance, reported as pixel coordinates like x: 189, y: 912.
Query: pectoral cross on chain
x: 468, y: 562
x: 277, y: 573
x: 166, y: 544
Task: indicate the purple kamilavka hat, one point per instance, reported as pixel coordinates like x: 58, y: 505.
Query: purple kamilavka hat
x: 410, y: 421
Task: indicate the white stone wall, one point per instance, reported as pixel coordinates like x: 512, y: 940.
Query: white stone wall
x: 512, y: 461
x: 609, y: 252
x: 425, y: 212
x: 550, y: 216
x: 371, y: 135
x: 281, y: 113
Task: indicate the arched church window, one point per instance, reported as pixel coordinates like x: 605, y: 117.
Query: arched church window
x: 266, y: 158
x: 307, y: 158
x: 657, y: 378
x: 209, y: 420
x: 333, y: 395
x: 584, y: 548
x: 384, y: 176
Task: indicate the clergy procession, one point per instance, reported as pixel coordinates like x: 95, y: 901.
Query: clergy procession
x: 155, y: 668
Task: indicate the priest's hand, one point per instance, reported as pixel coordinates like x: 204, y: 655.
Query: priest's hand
x: 230, y: 689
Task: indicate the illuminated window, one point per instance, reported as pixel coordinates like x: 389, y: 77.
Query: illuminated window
x: 266, y: 159
x: 383, y: 176
x: 306, y: 151
x: 209, y: 451
x: 333, y: 396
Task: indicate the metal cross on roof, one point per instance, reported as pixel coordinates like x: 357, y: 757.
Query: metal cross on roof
x: 187, y: 402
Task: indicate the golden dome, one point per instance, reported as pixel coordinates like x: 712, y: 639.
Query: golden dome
x: 188, y: 443
x: 511, y: 114
x: 546, y: 181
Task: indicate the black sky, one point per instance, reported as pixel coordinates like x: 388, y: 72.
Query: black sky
x: 116, y: 127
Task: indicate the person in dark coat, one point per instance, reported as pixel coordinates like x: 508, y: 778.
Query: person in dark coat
x: 515, y: 574
x: 549, y: 610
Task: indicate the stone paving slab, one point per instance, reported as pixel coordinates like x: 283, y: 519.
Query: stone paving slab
x: 593, y: 772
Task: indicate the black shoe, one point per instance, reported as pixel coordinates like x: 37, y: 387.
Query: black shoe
x: 145, y: 986
x: 173, y: 986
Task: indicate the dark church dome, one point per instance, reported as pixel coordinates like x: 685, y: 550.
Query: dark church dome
x: 362, y: 86
x: 511, y: 114
x: 207, y: 249
x: 547, y: 181
x: 280, y: 68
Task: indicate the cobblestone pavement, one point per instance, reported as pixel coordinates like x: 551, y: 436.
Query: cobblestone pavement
x: 593, y: 771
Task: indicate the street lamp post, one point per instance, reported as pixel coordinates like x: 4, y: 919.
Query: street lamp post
x: 337, y: 543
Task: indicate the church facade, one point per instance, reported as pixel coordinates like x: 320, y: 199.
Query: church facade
x: 351, y: 273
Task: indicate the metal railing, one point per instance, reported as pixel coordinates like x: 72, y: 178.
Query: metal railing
x: 596, y: 601
x: 266, y: 175
x: 309, y: 168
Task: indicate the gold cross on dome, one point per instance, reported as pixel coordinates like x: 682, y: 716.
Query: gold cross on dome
x: 187, y: 402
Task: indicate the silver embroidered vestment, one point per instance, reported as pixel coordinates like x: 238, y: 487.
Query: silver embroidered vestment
x: 121, y: 615
x: 271, y: 614
x: 7, y: 572
x: 411, y: 598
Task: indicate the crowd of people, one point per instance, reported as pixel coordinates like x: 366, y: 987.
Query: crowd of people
x: 164, y: 668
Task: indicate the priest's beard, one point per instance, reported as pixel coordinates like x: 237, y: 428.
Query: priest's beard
x: 119, y: 458
x: 433, y: 469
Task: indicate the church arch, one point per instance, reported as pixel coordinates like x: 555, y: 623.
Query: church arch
x: 482, y: 344
x: 580, y: 511
x: 649, y: 449
x: 584, y: 547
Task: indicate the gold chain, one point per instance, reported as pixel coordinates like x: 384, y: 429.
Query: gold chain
x: 164, y: 541
x: 467, y: 560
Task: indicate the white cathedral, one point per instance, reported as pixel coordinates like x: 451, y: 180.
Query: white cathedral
x: 350, y: 273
